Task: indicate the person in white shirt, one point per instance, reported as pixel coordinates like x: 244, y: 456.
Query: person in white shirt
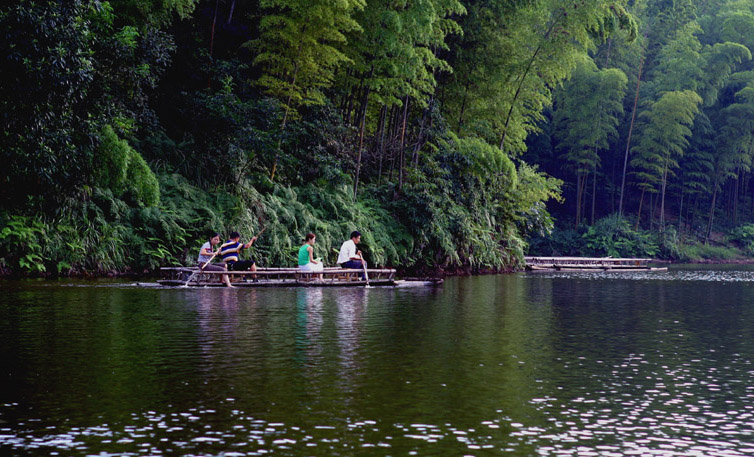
x: 349, y: 256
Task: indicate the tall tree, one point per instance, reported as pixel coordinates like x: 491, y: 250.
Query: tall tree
x: 299, y: 49
x: 511, y: 57
x: 735, y: 144
x: 586, y: 115
x: 395, y: 58
x: 664, y: 136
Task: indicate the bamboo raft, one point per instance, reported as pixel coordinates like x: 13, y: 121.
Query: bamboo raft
x: 287, y: 277
x: 589, y: 264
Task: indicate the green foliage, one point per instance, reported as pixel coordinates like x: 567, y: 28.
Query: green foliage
x: 528, y: 201
x: 559, y: 242
x: 67, y: 73
x: 46, y: 57
x: 298, y: 48
x: 433, y: 100
x: 700, y: 251
x: 612, y: 236
x: 21, y: 242
x: 152, y: 12
x: 395, y: 52
x: 114, y: 156
x: 512, y: 56
x: 484, y: 159
x: 123, y: 170
x: 666, y: 129
x: 143, y: 182
x: 290, y: 213
x: 588, y: 111
x: 743, y: 236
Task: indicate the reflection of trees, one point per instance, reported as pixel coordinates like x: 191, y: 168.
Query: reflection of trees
x: 90, y: 354
x: 467, y: 351
x: 308, y: 326
x: 349, y: 324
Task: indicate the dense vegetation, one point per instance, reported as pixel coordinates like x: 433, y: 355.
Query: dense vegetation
x: 660, y: 150
x: 442, y: 129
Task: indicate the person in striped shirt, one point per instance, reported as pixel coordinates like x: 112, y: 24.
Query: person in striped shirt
x: 231, y: 250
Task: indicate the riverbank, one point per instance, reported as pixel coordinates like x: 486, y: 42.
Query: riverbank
x: 100, y: 234
x: 620, y: 237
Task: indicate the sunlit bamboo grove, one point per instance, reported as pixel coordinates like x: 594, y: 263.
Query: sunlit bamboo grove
x: 454, y: 134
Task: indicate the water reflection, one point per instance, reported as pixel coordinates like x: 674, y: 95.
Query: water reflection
x: 351, y: 308
x: 521, y: 364
x: 309, y: 319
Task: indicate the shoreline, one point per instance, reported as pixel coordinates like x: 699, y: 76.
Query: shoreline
x: 6, y: 274
x: 402, y: 273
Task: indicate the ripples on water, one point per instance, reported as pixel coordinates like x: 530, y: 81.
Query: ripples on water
x: 552, y: 365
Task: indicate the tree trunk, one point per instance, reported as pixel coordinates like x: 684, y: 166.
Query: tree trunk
x: 230, y: 15
x: 680, y: 216
x: 735, y: 199
x: 711, y: 213
x: 529, y: 65
x: 349, y: 107
x: 381, y: 134
x: 662, y: 205
x: 594, y: 192
x: 401, y: 153
x: 212, y: 41
x: 362, y: 118
x: 628, y: 140
x: 420, y: 135
x: 692, y: 212
x: 391, y: 138
x: 579, y: 178
x: 638, y: 213
x: 287, y: 111
x: 463, y: 106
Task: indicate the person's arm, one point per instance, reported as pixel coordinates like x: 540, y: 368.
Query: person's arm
x: 207, y: 251
x: 251, y: 241
x: 311, y: 255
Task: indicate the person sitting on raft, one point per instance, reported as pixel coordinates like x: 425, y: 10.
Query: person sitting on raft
x: 230, y: 251
x: 349, y: 256
x: 205, y: 255
x: 306, y: 260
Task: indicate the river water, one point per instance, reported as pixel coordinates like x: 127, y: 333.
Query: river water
x: 609, y: 364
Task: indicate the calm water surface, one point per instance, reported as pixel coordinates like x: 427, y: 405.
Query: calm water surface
x: 537, y: 364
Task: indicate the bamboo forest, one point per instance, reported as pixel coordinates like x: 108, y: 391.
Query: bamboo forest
x: 457, y: 136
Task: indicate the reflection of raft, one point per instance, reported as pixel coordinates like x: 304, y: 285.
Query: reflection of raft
x: 285, y: 277
x: 589, y: 264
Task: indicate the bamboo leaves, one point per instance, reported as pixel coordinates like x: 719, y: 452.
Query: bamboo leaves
x: 299, y: 47
x: 664, y: 138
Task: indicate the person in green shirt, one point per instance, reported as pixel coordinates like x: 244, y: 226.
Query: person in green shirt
x: 306, y: 260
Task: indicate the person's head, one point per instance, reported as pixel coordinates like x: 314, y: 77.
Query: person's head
x: 310, y: 238
x: 214, y: 238
x: 235, y: 236
x: 356, y: 236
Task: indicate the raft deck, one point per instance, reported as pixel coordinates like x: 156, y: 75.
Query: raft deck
x: 589, y: 264
x: 285, y: 277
